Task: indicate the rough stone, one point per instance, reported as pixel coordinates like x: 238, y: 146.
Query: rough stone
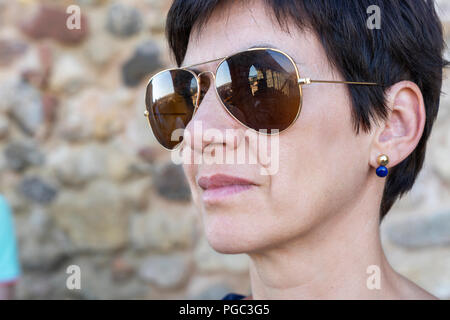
x: 7, y: 95
x: 427, y: 267
x: 10, y: 50
x: 77, y: 124
x: 77, y: 165
x: 4, y: 126
x: 157, y: 4
x: 137, y: 193
x: 165, y: 271
x: 22, y: 154
x: 165, y: 227
x: 123, y: 21
x: 28, y: 110
x: 156, y: 21
x: 97, y: 281
x: 92, y: 2
x: 119, y: 165
x: 171, y: 183
x: 214, y: 292
x: 100, y: 50
x: 148, y: 154
x: 441, y: 160
x: 421, y: 232
x: 94, y: 218
x: 137, y: 133
x: 107, y: 124
x: 69, y: 75
x: 33, y: 285
x: 122, y: 270
x: 91, y: 115
x: 49, y: 21
x: 42, y: 246
x: 23, y: 103
x: 144, y: 61
x: 50, y: 106
x: 36, y: 67
x: 37, y: 190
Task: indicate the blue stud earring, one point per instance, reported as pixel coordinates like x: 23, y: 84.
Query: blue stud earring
x: 383, y: 161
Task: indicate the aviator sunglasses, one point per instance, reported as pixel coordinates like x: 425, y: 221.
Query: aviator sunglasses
x: 261, y: 88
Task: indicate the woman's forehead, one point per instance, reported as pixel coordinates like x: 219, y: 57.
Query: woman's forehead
x: 233, y: 30
x: 197, y: 65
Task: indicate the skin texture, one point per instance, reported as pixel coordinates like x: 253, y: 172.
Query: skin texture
x: 312, y: 229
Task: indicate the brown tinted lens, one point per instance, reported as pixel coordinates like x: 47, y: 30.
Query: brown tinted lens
x: 260, y: 88
x: 170, y: 101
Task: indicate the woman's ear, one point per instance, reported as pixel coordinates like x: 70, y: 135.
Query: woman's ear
x: 401, y: 131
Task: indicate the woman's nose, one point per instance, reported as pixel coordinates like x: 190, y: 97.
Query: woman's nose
x: 211, y: 123
x: 205, y: 79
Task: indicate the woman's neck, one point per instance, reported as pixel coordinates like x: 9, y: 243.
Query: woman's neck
x: 330, y: 261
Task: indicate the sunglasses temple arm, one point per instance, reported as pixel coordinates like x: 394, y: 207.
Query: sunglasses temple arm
x: 306, y: 81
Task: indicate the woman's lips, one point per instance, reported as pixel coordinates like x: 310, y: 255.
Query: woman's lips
x: 220, y: 186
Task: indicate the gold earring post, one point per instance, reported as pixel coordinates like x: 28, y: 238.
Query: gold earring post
x: 383, y: 160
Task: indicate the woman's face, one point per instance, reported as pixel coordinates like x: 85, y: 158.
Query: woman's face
x: 323, y: 166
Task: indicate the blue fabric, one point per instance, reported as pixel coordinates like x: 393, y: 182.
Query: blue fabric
x: 9, y: 262
x: 233, y: 296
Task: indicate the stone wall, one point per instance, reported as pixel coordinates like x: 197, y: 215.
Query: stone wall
x: 90, y: 186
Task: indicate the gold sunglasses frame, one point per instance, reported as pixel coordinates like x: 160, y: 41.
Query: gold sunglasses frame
x: 300, y: 81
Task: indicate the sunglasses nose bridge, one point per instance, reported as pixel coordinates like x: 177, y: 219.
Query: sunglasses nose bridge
x: 205, y: 72
x: 213, y: 82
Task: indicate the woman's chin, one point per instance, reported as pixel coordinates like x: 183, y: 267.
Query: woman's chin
x: 227, y: 240
x: 227, y: 236
x: 227, y: 243
x: 226, y: 247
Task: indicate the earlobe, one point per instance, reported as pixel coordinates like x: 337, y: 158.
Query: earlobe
x: 404, y: 124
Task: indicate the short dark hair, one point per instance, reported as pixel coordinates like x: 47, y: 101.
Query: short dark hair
x: 409, y: 46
